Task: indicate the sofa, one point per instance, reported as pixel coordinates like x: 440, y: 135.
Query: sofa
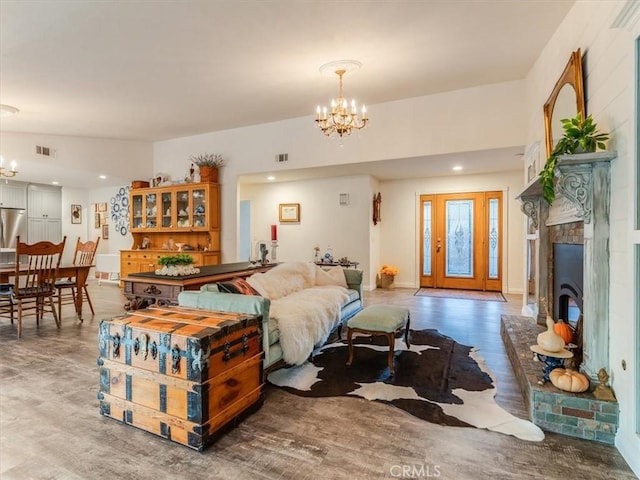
x: 301, y: 304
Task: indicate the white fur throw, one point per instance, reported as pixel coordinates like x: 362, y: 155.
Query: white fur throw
x: 305, y: 319
x: 304, y: 313
x: 284, y: 279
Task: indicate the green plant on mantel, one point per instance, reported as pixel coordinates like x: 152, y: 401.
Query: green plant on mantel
x: 213, y: 160
x: 173, y: 260
x: 580, y: 136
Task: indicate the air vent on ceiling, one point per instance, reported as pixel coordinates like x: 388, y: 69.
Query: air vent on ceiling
x: 282, y: 157
x: 46, y: 151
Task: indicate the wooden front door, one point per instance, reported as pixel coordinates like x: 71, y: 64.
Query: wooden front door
x: 461, y: 236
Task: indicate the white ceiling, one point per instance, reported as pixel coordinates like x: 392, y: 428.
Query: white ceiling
x: 153, y: 70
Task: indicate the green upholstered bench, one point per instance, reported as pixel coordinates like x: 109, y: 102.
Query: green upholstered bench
x: 385, y: 320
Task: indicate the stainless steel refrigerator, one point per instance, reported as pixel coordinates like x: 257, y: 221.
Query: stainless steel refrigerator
x: 13, y: 222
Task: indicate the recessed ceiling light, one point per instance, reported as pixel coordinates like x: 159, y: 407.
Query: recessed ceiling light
x: 457, y: 168
x: 7, y: 110
x: 103, y: 177
x: 271, y: 177
x: 55, y: 182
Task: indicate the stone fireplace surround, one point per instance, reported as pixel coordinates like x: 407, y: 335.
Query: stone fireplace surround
x: 583, y: 200
x: 584, y: 181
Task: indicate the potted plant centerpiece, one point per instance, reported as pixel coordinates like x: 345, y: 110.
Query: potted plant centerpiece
x: 580, y: 136
x: 176, y: 265
x: 208, y: 164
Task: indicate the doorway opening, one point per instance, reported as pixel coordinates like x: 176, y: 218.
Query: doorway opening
x: 461, y: 239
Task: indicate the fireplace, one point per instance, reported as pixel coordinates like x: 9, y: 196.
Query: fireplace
x: 577, y: 220
x: 568, y: 282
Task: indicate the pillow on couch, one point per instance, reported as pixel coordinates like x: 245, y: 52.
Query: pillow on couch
x: 330, y: 276
x: 237, y: 285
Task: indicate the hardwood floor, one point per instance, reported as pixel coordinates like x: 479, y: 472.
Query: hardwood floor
x: 50, y: 427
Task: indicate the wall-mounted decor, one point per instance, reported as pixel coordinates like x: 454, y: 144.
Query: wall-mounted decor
x: 76, y: 213
x: 120, y: 210
x: 377, y: 201
x: 96, y: 220
x: 289, y: 212
x: 105, y: 232
x: 102, y: 207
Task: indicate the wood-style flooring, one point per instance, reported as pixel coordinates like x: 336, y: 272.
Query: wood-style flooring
x: 50, y: 426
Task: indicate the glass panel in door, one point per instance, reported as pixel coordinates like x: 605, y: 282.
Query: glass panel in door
x: 152, y: 210
x: 166, y: 210
x: 182, y: 205
x: 459, y: 238
x: 136, y: 211
x: 199, y: 208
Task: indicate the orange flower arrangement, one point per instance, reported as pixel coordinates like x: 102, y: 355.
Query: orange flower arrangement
x: 389, y: 270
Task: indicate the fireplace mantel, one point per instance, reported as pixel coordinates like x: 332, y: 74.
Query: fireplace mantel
x: 584, y: 180
x: 575, y: 179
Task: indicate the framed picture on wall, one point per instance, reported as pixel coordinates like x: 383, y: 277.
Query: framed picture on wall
x: 96, y: 220
x: 76, y: 213
x: 289, y: 212
x: 105, y: 232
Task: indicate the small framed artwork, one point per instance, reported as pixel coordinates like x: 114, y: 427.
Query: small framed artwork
x: 105, y: 232
x: 102, y: 207
x: 289, y: 212
x: 76, y: 213
x: 96, y: 220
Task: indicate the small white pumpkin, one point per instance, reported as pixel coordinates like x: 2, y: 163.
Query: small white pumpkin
x: 569, y: 380
x: 550, y: 340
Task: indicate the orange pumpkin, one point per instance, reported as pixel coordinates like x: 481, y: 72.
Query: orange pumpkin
x: 563, y: 329
x: 569, y: 380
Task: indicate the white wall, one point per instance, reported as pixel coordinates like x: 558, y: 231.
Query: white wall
x: 76, y: 157
x: 74, y: 230
x: 609, y: 82
x: 491, y: 116
x: 116, y: 240
x: 323, y: 221
x: 401, y: 222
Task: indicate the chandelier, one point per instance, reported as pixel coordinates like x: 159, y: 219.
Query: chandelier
x: 341, y: 118
x: 7, y: 173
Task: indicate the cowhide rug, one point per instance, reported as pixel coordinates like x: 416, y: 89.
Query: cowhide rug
x: 437, y: 380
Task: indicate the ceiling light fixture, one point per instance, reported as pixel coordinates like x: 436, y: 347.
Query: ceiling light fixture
x: 457, y: 168
x: 7, y: 173
x: 7, y: 110
x: 341, y: 118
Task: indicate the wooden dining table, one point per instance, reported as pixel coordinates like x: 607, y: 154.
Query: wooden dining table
x: 79, y: 272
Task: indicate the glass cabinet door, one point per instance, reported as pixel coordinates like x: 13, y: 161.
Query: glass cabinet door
x: 151, y: 209
x: 182, y: 205
x: 137, y: 208
x: 166, y: 209
x: 199, y: 202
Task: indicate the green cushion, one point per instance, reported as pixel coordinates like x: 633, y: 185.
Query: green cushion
x: 380, y: 318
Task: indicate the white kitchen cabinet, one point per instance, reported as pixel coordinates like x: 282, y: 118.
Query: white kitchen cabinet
x: 44, y: 229
x: 13, y: 195
x: 44, y: 202
x: 44, y: 211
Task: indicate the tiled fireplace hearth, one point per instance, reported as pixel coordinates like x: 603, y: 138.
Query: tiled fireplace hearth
x: 578, y: 415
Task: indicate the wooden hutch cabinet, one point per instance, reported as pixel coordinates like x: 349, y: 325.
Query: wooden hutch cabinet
x: 166, y: 219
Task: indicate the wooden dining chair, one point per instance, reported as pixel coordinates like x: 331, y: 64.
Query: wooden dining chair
x: 67, y: 289
x: 7, y: 300
x: 35, y: 278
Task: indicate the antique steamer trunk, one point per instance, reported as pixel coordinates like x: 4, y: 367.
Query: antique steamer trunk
x: 181, y: 373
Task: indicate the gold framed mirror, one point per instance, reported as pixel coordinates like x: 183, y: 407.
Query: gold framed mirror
x: 565, y: 101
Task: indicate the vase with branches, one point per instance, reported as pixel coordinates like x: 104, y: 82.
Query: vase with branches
x: 208, y: 164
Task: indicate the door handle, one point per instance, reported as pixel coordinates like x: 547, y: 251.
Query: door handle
x: 438, y: 245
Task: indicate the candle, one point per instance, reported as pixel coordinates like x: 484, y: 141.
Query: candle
x: 274, y: 232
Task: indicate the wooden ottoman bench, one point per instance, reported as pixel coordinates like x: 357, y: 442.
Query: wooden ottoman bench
x: 385, y: 320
